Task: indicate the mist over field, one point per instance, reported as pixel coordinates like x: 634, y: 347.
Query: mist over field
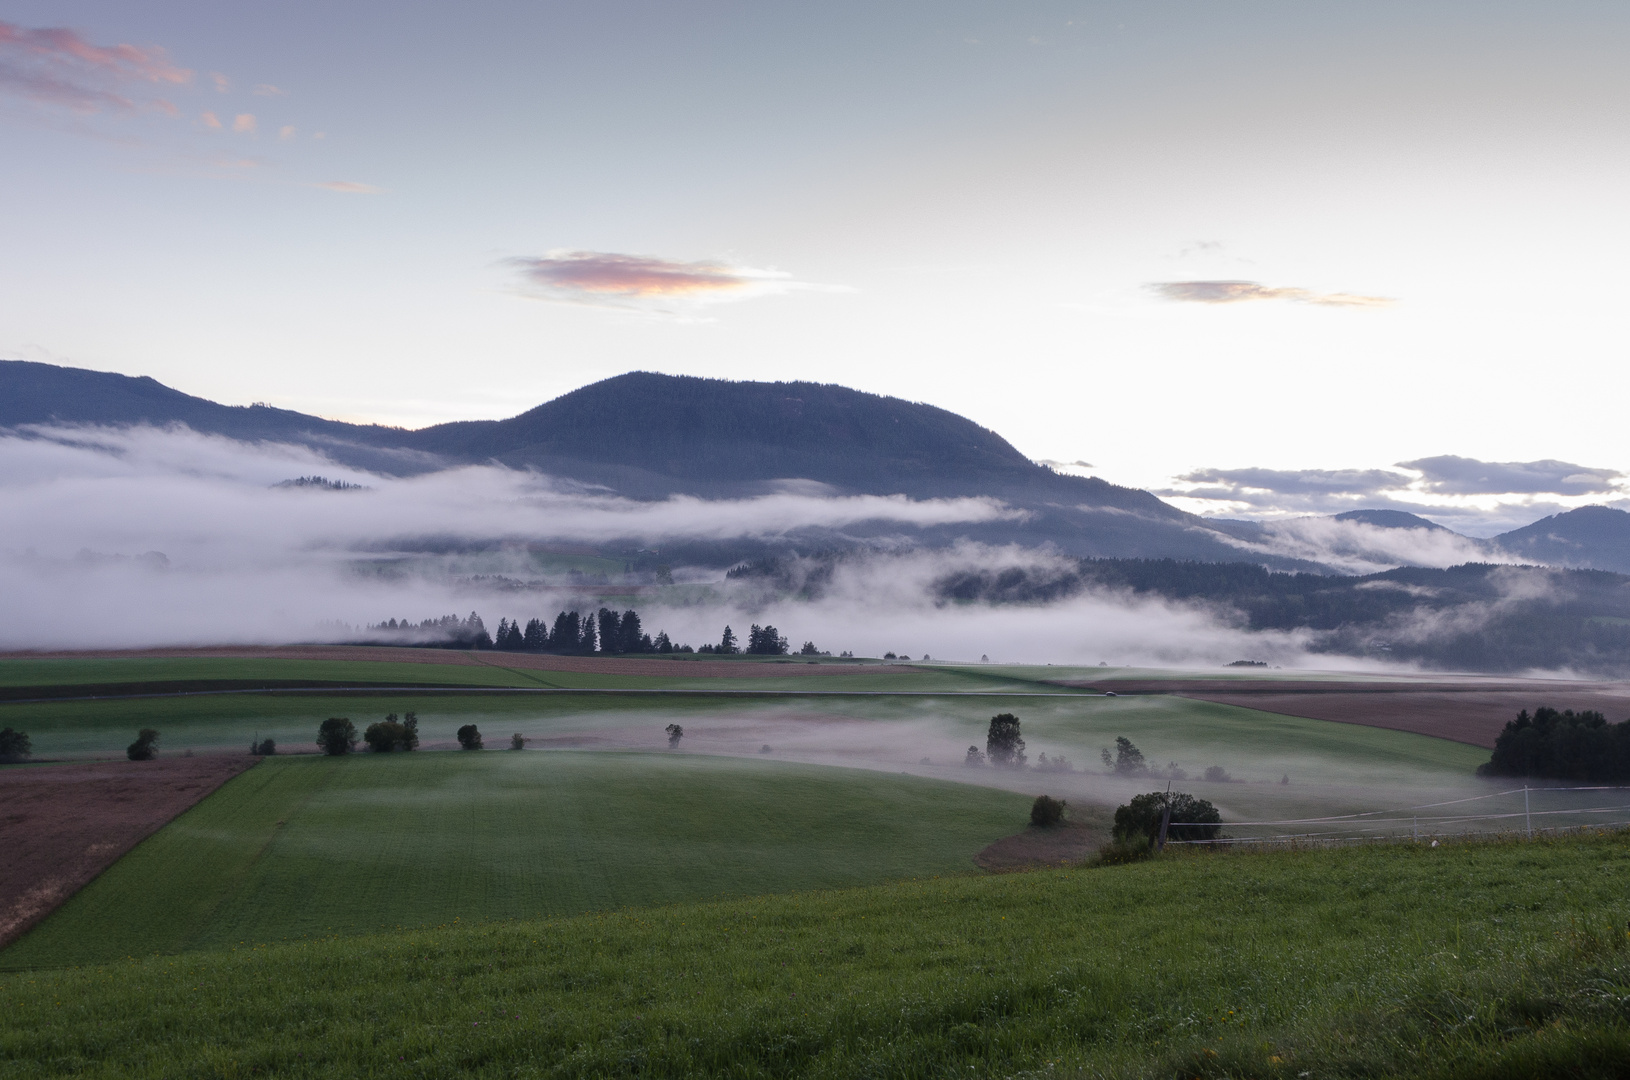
x: 145, y: 537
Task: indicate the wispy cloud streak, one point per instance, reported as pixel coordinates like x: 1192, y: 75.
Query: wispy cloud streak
x: 57, y: 66
x: 1239, y: 292
x: 642, y: 281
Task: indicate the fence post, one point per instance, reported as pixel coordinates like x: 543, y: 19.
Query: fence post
x: 1528, y: 820
x: 1415, y: 829
x: 1165, y: 817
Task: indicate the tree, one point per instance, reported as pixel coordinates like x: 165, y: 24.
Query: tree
x: 663, y: 643
x: 765, y: 641
x: 1004, y: 747
x: 1192, y: 819
x: 675, y: 733
x: 566, y: 633
x: 1562, y: 746
x: 974, y: 758
x: 336, y: 736
x: 410, y: 731
x: 611, y: 626
x: 469, y: 737
x: 1128, y: 760
x: 385, y: 736
x: 631, y: 637
x: 145, y: 748
x: 516, y: 742
x: 809, y: 649
x: 14, y: 745
x: 727, y: 643
x: 263, y: 747
x: 1047, y: 811
x: 585, y: 644
x: 536, y: 636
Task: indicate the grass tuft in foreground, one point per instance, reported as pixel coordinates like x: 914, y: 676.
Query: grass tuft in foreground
x: 1483, y: 959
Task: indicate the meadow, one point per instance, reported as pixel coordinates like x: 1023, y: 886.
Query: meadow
x: 1473, y: 959
x: 316, y: 845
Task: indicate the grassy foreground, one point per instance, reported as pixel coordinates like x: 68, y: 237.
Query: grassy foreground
x: 314, y: 845
x: 1503, y: 959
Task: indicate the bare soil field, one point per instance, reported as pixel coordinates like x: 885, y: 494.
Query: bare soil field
x: 1473, y: 712
x: 666, y: 668
x: 1066, y: 842
x: 61, y: 825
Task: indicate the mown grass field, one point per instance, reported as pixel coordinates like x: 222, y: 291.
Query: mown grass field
x: 1504, y: 959
x: 314, y: 845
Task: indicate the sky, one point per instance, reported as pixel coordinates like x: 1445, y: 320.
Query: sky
x: 1263, y: 258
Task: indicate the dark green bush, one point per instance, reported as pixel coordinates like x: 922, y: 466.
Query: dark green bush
x: 1004, y: 747
x: 263, y: 748
x: 385, y: 736
x: 337, y: 735
x: 675, y: 733
x: 469, y: 737
x: 1562, y: 746
x: 1120, y: 852
x: 517, y: 742
x: 1046, y: 811
x: 14, y: 745
x: 145, y: 748
x: 1192, y: 819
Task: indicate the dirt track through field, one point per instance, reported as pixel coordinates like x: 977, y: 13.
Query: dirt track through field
x: 592, y: 665
x: 61, y: 825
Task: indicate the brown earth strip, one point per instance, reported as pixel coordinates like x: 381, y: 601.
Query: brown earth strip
x: 61, y: 825
x: 666, y: 668
x: 1066, y: 842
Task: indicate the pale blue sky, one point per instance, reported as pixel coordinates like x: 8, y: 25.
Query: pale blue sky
x: 967, y: 203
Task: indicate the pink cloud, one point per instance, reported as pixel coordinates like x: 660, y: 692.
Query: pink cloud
x: 244, y: 122
x: 59, y: 67
x: 609, y: 279
x: 210, y: 120
x: 1237, y: 292
x: 348, y: 187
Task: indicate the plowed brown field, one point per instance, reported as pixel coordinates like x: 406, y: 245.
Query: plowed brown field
x: 61, y: 825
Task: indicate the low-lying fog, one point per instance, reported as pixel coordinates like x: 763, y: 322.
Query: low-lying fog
x: 146, y: 537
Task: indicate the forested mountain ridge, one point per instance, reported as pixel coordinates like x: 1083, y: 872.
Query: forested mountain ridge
x: 650, y: 436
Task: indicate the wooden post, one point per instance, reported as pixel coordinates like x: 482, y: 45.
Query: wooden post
x: 1165, y: 817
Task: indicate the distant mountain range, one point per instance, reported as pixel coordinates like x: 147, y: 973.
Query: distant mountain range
x: 649, y: 436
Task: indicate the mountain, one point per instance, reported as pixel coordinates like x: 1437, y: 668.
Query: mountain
x: 649, y: 436
x: 1390, y: 519
x: 1596, y: 537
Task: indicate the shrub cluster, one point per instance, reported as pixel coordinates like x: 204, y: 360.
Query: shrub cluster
x: 145, y: 748
x: 1192, y: 819
x: 391, y: 734
x: 336, y: 736
x: 1046, y: 811
x: 1562, y: 746
x: 469, y: 737
x: 14, y: 745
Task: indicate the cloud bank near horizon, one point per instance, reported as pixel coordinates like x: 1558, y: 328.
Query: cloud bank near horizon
x: 1480, y: 498
x: 144, y: 537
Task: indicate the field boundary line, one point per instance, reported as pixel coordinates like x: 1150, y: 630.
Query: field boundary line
x: 363, y: 690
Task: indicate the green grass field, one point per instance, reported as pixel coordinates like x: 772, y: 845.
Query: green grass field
x: 1473, y: 960
x: 309, y: 846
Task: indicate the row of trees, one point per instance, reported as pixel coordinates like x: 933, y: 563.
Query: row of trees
x: 338, y: 735
x: 574, y: 633
x: 1562, y: 746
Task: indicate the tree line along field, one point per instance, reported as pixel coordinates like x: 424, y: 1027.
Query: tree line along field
x: 312, y: 846
x: 1472, y: 959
